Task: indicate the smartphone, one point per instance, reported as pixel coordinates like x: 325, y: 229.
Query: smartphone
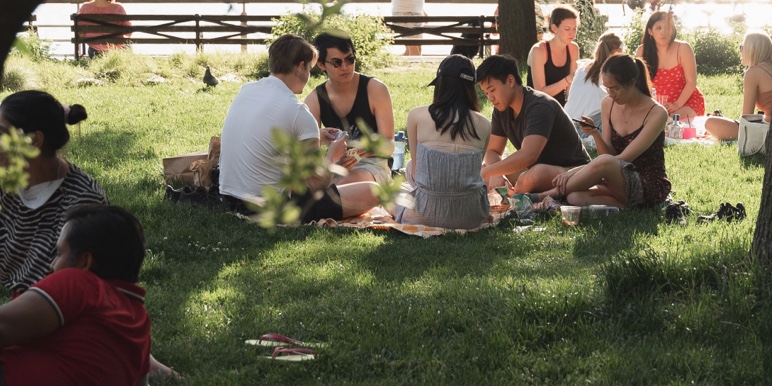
x: 583, y: 123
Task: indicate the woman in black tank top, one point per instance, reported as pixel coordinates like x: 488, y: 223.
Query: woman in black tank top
x: 543, y: 74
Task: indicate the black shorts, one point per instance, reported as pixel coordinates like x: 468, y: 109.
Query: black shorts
x: 327, y: 205
x: 321, y: 204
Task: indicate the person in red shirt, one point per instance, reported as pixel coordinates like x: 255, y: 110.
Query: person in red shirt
x: 85, y: 323
x: 103, y: 7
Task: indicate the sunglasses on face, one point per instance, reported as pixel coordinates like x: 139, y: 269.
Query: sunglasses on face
x: 337, y: 63
x: 741, y: 48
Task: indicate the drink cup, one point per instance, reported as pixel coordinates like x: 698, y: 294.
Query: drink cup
x: 570, y: 214
x: 662, y: 99
x: 689, y: 132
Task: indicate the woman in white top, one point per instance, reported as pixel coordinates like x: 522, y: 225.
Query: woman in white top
x: 587, y: 87
x: 448, y: 139
x: 756, y: 51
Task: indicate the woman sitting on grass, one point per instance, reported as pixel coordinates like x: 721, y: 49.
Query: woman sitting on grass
x: 756, y: 51
x: 552, y: 63
x: 630, y: 170
x: 587, y: 87
x: 32, y: 218
x: 449, y: 137
x: 672, y: 66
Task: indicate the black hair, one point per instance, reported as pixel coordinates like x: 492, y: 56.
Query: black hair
x: 327, y: 40
x: 33, y: 110
x: 499, y: 67
x: 453, y: 98
x: 626, y: 70
x: 112, y: 235
x: 649, y: 45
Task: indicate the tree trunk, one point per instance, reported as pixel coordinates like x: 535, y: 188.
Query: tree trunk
x: 12, y: 17
x: 761, y: 250
x: 517, y: 28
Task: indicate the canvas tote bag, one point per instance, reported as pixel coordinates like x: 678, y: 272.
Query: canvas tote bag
x: 752, y: 135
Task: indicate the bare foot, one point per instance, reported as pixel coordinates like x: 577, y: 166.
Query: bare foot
x: 158, y: 369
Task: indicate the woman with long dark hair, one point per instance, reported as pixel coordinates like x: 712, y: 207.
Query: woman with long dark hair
x: 448, y: 139
x: 630, y: 170
x: 672, y: 66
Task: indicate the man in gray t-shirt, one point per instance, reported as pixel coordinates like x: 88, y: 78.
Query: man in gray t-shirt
x: 547, y: 143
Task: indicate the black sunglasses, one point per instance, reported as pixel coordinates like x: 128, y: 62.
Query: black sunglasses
x: 350, y: 60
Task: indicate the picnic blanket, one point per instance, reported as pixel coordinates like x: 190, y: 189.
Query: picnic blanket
x: 379, y: 218
x: 702, y: 138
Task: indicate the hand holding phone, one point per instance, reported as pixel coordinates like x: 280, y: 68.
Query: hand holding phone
x: 583, y: 123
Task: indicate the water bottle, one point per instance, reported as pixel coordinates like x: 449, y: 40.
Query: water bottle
x: 674, y: 131
x: 654, y: 93
x: 399, y: 151
x: 600, y: 210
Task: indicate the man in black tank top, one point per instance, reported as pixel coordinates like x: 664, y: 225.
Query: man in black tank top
x: 349, y: 99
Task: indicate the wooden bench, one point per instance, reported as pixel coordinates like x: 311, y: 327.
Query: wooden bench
x: 202, y: 30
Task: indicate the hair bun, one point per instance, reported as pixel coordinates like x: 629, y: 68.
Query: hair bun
x: 77, y: 114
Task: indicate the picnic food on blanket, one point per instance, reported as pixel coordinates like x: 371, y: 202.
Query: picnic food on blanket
x: 570, y: 214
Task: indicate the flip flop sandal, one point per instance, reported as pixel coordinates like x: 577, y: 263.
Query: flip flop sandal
x: 276, y: 340
x: 286, y: 354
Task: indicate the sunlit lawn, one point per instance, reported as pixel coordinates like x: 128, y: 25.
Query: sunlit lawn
x: 618, y: 300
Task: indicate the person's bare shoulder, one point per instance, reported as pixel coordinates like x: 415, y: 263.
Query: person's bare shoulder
x: 418, y: 111
x: 639, y: 51
x: 754, y: 73
x: 683, y: 49
x: 311, y: 98
x: 375, y: 86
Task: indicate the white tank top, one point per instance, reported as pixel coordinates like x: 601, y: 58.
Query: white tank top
x: 407, y: 6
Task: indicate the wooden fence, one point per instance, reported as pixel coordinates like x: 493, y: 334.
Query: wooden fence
x: 201, y: 30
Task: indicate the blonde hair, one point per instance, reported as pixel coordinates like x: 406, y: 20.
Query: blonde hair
x: 759, y: 47
x: 608, y: 44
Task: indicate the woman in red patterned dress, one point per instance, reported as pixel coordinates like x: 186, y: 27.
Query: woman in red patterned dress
x: 672, y: 67
x: 630, y: 170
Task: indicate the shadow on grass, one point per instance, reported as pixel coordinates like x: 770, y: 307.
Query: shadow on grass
x: 606, y: 236
x: 106, y: 146
x: 751, y: 162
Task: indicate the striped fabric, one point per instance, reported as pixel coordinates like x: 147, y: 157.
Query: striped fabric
x: 28, y: 236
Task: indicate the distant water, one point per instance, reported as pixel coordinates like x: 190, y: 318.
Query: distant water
x: 58, y: 15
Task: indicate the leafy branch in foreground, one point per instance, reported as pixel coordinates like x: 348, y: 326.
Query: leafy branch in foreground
x: 15, y: 148
x: 301, y: 164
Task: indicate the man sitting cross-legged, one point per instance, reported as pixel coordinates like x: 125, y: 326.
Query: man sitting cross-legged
x: 250, y: 160
x: 348, y: 97
x: 547, y: 143
x: 85, y: 323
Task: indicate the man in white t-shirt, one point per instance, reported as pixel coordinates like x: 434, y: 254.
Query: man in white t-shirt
x: 249, y: 159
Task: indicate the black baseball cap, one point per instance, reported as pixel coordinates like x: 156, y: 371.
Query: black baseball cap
x: 456, y: 66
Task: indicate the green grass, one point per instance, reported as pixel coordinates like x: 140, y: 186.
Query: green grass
x: 618, y: 300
